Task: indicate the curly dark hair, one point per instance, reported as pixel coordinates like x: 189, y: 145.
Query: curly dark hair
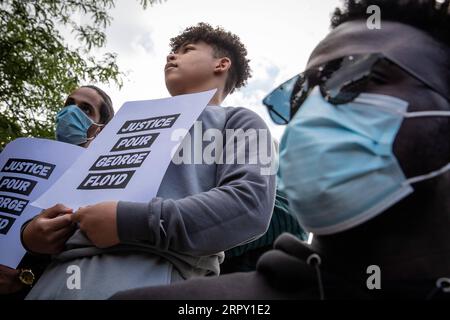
x: 224, y: 44
x: 431, y: 16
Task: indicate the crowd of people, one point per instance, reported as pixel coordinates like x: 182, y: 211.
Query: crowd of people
x: 363, y: 166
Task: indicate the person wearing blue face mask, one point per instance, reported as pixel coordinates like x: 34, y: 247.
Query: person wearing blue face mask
x: 364, y: 162
x: 357, y: 160
x: 86, y: 111
x: 365, y: 157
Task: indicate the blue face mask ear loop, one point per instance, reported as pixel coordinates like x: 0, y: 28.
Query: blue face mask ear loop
x: 98, y: 125
x: 436, y: 172
x: 442, y: 284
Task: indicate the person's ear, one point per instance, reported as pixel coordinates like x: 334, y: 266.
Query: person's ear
x: 93, y: 131
x: 223, y: 65
x: 97, y: 132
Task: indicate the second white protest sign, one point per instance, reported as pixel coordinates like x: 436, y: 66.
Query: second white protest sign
x: 128, y: 159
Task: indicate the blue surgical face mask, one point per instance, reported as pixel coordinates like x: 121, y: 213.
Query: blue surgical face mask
x: 72, y: 125
x: 337, y: 164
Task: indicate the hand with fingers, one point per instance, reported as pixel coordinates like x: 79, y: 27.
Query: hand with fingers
x: 99, y: 223
x: 48, y: 232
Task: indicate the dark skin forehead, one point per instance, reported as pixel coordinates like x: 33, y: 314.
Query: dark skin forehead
x: 422, y: 145
x: 199, y: 43
x: 88, y: 100
x: 414, y: 145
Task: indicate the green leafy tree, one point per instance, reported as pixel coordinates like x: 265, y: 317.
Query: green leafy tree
x: 38, y: 68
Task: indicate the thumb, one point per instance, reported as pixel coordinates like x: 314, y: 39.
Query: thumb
x: 55, y: 211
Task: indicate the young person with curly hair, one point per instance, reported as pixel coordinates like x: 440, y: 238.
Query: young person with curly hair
x: 200, y: 209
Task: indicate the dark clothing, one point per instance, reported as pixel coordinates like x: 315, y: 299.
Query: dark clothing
x: 283, y: 273
x: 244, y: 258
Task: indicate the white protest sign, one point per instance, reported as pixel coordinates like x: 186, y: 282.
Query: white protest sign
x: 128, y: 159
x: 28, y: 167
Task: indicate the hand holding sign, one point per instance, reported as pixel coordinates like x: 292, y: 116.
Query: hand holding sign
x: 128, y: 159
x: 48, y: 232
x: 99, y: 223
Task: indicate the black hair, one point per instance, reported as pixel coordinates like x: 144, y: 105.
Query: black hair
x: 106, y: 108
x: 224, y: 44
x: 431, y: 16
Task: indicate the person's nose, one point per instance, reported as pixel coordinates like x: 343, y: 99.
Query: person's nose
x: 171, y: 57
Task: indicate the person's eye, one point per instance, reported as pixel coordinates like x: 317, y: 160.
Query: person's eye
x: 86, y: 110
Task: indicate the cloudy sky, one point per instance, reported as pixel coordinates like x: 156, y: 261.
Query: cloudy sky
x: 279, y: 36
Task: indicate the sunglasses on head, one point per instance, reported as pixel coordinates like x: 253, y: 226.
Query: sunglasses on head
x: 340, y: 81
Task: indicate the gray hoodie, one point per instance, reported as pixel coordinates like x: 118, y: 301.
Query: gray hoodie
x: 200, y: 210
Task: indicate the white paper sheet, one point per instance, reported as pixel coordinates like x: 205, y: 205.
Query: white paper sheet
x: 129, y: 158
x: 28, y: 167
